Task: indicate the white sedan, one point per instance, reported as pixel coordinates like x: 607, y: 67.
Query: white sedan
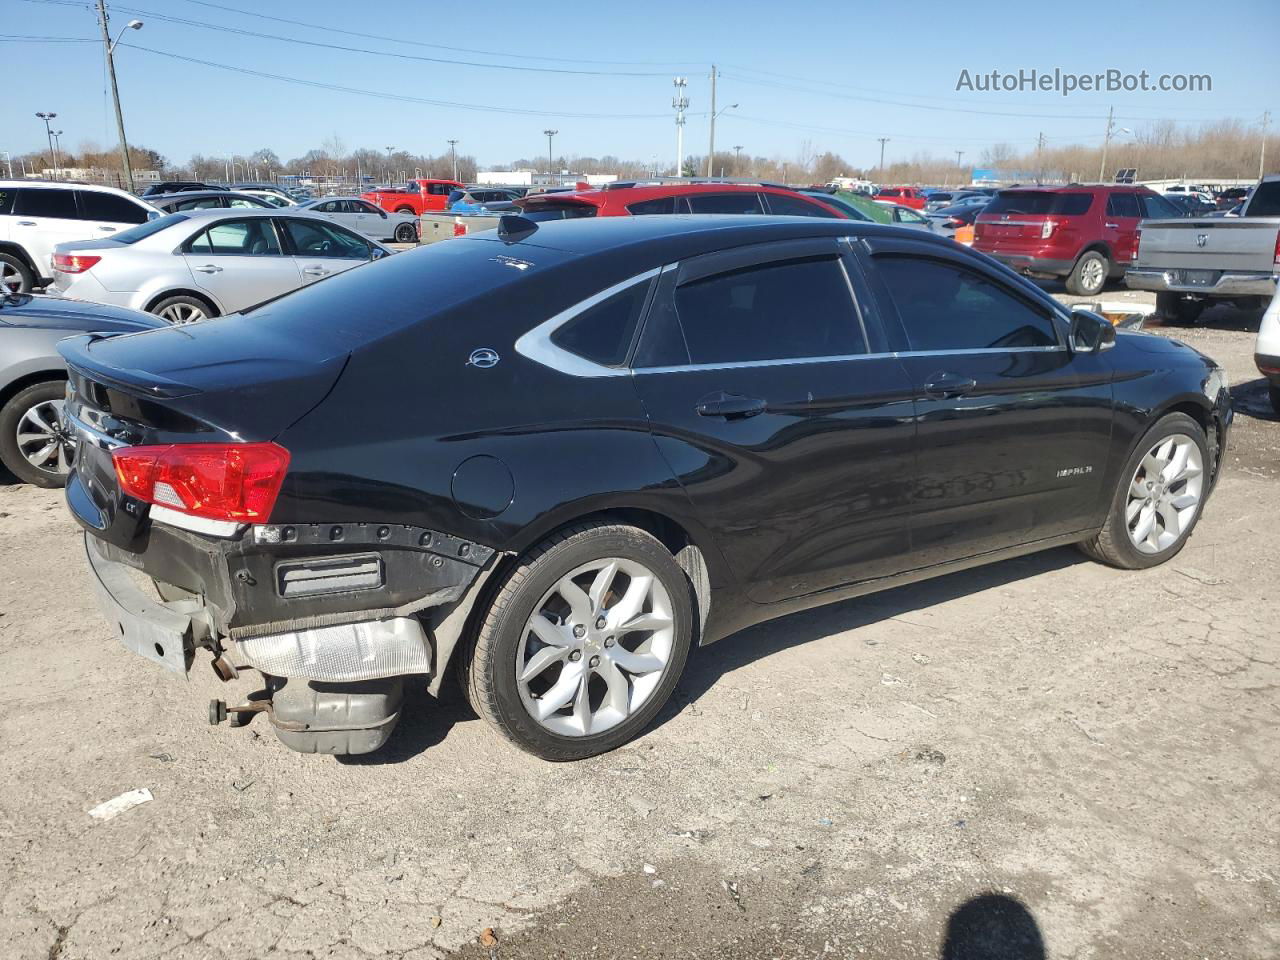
x: 1266, y: 353
x: 366, y: 218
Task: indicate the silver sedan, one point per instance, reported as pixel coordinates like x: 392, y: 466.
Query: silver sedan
x: 366, y: 218
x: 203, y: 263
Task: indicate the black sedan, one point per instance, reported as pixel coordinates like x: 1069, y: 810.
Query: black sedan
x: 555, y: 456
x: 33, y: 379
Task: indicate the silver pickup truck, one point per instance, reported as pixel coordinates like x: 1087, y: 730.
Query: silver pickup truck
x: 1192, y: 262
x: 443, y: 225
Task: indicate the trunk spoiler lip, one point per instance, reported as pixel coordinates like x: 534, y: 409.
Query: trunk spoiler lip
x: 75, y: 350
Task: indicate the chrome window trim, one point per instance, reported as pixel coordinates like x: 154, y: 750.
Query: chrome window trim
x: 536, y: 344
x: 894, y: 355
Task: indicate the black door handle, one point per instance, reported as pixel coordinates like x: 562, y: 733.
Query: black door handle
x: 730, y: 406
x: 949, y: 385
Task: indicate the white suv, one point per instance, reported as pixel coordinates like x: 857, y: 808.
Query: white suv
x: 36, y: 215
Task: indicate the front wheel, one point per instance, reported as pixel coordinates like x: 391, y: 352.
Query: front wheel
x: 583, y: 642
x: 1089, y: 275
x: 33, y: 443
x: 406, y: 233
x: 1158, y: 501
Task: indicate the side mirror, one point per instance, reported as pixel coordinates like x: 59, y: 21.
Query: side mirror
x: 1091, y: 333
x: 377, y: 253
x: 382, y: 214
x: 153, y: 215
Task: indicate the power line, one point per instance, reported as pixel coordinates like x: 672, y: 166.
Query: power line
x: 15, y: 39
x: 403, y: 98
x: 440, y: 46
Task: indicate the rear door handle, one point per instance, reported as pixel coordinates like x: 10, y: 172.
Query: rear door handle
x: 949, y: 385
x: 26, y: 223
x: 207, y: 268
x: 1112, y: 226
x: 315, y: 271
x: 107, y: 229
x: 730, y: 406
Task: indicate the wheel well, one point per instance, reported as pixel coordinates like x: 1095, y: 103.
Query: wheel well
x: 183, y: 293
x: 21, y: 254
x: 11, y: 390
x: 1203, y: 416
x: 1101, y: 248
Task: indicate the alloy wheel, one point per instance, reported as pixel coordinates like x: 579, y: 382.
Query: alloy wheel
x: 179, y: 313
x: 596, y: 647
x: 42, y: 440
x: 10, y: 278
x: 1091, y: 275
x: 1164, y: 494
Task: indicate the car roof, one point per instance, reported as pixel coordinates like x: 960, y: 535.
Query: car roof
x: 632, y: 194
x: 64, y: 184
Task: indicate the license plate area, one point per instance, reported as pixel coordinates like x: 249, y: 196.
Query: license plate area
x: 1200, y: 278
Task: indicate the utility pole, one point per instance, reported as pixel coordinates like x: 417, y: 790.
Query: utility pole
x: 883, y: 141
x: 959, y: 169
x: 453, y: 155
x: 711, y: 148
x: 737, y: 154
x: 48, y: 132
x: 1106, y: 142
x: 1039, y: 163
x: 681, y: 103
x: 1262, y: 155
x: 109, y: 47
x: 8, y: 159
x: 550, y: 161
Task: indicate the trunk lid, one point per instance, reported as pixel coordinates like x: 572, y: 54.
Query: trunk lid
x: 1218, y: 244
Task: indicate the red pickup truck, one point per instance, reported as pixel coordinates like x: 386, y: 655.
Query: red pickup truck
x: 905, y: 196
x: 416, y: 196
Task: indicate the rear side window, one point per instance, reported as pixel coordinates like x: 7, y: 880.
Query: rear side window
x: 200, y: 203
x: 735, y: 203
x: 775, y: 311
x: 6, y: 201
x: 53, y: 202
x: 658, y: 205
x: 945, y: 307
x: 110, y: 208
x: 1123, y: 205
x: 1040, y: 202
x: 603, y: 333
x: 781, y: 205
x: 242, y: 238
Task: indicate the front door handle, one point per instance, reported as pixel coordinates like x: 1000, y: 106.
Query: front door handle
x: 1112, y: 226
x: 26, y: 223
x: 730, y: 406
x: 942, y: 385
x: 207, y: 268
x: 316, y: 272
x: 107, y: 229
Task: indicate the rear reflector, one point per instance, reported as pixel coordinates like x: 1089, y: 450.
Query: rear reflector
x: 73, y: 262
x: 459, y: 227
x: 218, y: 481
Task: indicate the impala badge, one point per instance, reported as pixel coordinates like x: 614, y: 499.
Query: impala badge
x: 1201, y: 239
x: 484, y: 358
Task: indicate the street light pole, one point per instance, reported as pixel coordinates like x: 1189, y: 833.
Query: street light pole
x: 453, y: 155
x: 48, y: 132
x: 550, y: 159
x: 110, y: 47
x: 57, y: 145
x: 714, y: 114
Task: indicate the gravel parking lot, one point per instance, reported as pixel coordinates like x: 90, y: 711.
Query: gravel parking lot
x: 1040, y: 758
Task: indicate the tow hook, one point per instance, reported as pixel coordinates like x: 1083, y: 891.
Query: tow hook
x: 243, y: 713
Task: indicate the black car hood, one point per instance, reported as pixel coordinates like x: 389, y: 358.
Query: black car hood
x: 73, y: 316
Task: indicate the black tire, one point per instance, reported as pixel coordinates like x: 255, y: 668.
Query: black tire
x: 1176, y: 309
x: 406, y: 233
x: 488, y: 662
x: 181, y: 305
x: 15, y: 275
x: 11, y: 415
x: 1273, y: 394
x: 1085, y: 279
x: 404, y: 210
x: 1112, y: 544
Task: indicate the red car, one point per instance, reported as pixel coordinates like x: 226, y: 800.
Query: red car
x: 635, y: 198
x: 416, y: 196
x: 1084, y: 234
x: 904, y: 196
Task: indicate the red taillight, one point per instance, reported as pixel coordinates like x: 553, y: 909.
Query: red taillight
x: 955, y: 221
x: 459, y: 227
x: 73, y: 262
x: 1137, y: 242
x: 217, y: 481
x: 1277, y: 258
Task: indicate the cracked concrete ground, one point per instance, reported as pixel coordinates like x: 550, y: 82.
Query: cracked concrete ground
x: 1044, y: 757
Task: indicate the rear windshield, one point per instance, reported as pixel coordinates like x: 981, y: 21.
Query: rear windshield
x: 1266, y: 200
x: 558, y: 211
x: 144, y: 230
x: 1039, y: 202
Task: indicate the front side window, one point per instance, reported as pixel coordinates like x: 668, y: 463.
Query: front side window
x: 51, y: 202
x: 907, y: 215
x: 602, y: 333
x: 890, y: 193
x: 1157, y: 208
x: 315, y: 239
x: 110, y: 208
x: 734, y: 203
x: 945, y: 307
x: 1122, y: 205
x: 439, y: 189
x: 237, y: 238
x: 776, y: 311
x: 781, y: 205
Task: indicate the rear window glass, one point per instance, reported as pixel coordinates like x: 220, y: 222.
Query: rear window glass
x: 558, y: 211
x: 1266, y: 200
x: 144, y: 230
x: 603, y: 333
x: 1040, y: 202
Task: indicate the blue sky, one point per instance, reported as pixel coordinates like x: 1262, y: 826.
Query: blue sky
x: 805, y: 71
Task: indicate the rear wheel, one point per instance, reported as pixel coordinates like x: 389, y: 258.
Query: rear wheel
x: 182, y: 309
x: 1177, y: 309
x: 1157, y: 504
x: 404, y: 210
x: 583, y: 643
x: 33, y: 444
x: 15, y: 275
x: 1089, y: 275
x: 406, y: 233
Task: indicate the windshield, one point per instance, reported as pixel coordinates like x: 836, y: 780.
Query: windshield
x: 144, y: 230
